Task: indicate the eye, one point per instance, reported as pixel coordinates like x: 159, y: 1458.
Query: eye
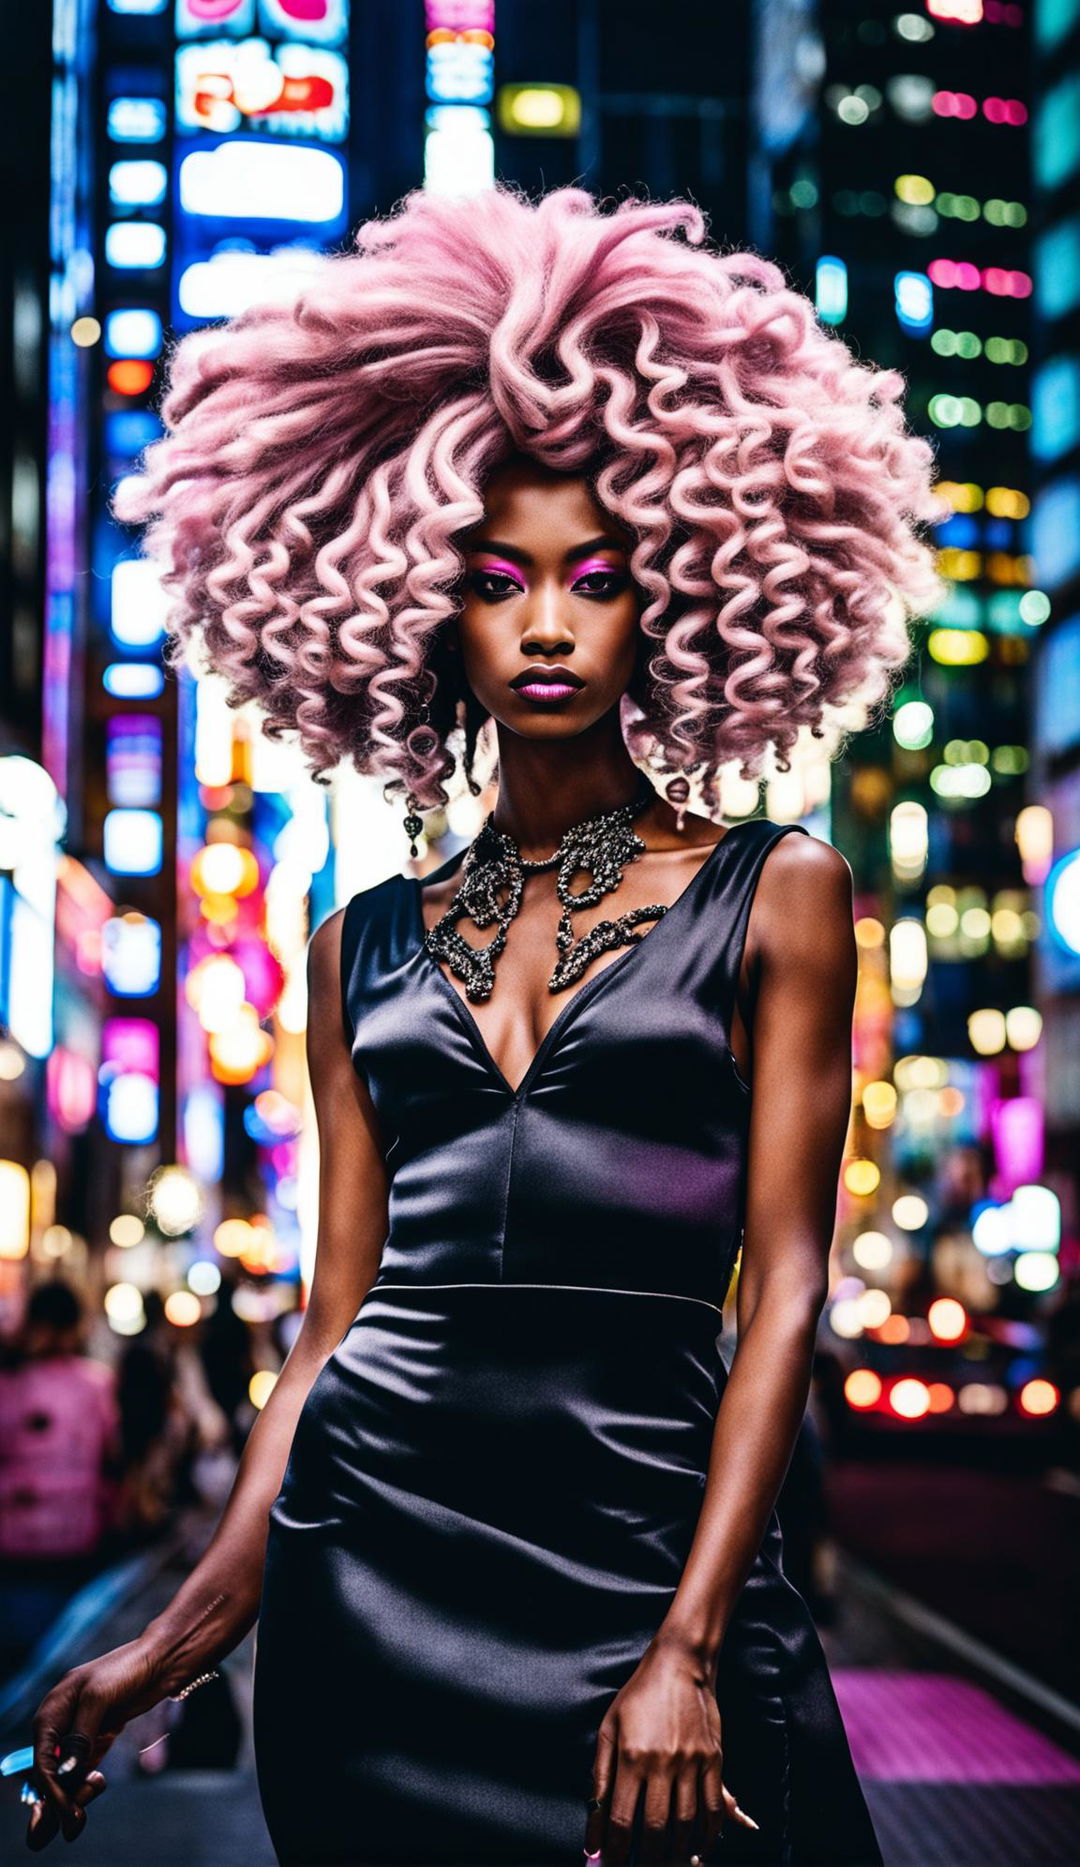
x: 599, y: 583
x: 494, y: 585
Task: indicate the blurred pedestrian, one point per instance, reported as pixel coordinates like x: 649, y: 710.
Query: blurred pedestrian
x: 59, y: 1453
x: 168, y: 1417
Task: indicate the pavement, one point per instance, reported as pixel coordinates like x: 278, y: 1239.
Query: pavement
x: 965, y: 1758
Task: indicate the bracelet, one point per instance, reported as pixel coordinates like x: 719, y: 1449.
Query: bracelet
x: 193, y: 1684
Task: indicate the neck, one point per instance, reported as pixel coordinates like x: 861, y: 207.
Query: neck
x: 545, y: 787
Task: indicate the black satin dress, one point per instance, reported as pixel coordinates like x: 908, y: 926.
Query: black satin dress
x: 495, y: 1479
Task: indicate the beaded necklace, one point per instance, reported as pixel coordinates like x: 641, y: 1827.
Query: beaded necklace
x: 492, y: 883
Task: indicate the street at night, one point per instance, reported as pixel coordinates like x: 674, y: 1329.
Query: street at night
x: 199, y: 765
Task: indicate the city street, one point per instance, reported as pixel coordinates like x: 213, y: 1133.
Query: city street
x: 962, y: 1767
x: 540, y: 820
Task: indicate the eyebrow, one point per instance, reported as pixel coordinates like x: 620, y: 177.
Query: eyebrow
x: 576, y: 552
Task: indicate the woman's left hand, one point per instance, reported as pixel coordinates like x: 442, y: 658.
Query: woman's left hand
x: 660, y: 1737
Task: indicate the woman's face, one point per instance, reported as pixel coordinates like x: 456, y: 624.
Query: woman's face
x: 548, y: 627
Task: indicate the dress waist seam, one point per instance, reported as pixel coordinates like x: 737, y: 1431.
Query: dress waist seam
x: 668, y: 1296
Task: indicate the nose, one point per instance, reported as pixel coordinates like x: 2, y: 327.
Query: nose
x: 547, y: 624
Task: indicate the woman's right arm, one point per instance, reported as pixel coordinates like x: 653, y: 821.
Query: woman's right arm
x: 219, y: 1601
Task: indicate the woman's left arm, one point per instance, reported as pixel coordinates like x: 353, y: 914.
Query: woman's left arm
x: 661, y: 1733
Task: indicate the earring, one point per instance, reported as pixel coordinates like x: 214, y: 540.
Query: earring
x: 678, y: 794
x: 413, y: 823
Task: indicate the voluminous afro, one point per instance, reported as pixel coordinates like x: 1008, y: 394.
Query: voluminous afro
x: 322, y: 456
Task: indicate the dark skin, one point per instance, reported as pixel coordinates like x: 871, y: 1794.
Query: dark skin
x: 563, y: 594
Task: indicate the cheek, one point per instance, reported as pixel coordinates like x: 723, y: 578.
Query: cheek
x: 480, y: 650
x: 623, y: 633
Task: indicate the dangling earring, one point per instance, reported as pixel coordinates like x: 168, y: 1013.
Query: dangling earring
x: 413, y: 823
x: 678, y: 794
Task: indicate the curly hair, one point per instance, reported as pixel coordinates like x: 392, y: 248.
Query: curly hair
x: 322, y: 457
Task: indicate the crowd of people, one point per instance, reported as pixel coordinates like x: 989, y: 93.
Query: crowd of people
x: 97, y: 1457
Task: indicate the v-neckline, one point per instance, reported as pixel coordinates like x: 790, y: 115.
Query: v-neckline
x: 476, y: 1035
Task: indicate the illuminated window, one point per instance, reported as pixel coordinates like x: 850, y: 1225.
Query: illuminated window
x: 228, y: 283
x: 139, y: 604
x: 1057, y: 268
x: 137, y: 184
x: 555, y: 110
x: 957, y: 12
x: 1055, y: 140
x: 831, y: 289
x: 460, y: 73
x: 135, y: 245
x: 458, y: 162
x: 324, y: 23
x: 133, y: 842
x: 283, y: 91
x: 128, y: 431
x: 1056, y: 531
x: 133, y: 333
x: 252, y: 180
x: 131, y: 955
x: 911, y: 96
x: 133, y: 760
x: 133, y: 680
x: 1056, y: 399
x: 136, y: 120
x: 195, y: 19
x: 1054, y: 20
x: 914, y: 301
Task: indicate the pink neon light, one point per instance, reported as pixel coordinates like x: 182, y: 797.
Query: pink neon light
x: 70, y: 1088
x: 131, y: 1044
x: 956, y: 12
x: 953, y: 104
x: 211, y: 11
x: 953, y: 273
x: 1017, y: 1127
x: 1004, y: 110
x: 460, y: 15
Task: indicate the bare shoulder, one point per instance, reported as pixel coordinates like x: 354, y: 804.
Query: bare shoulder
x: 324, y: 948
x: 803, y: 901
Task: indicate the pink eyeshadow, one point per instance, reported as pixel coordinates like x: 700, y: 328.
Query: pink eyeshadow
x: 501, y: 569
x: 595, y: 564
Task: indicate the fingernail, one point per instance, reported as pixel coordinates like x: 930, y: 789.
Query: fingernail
x: 744, y: 1817
x: 68, y: 1764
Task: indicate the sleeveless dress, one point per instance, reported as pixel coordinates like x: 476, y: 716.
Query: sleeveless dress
x: 495, y: 1478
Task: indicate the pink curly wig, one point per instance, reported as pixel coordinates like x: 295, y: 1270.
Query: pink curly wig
x: 322, y: 457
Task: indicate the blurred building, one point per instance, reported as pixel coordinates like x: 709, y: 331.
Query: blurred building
x: 1055, y: 450
x: 903, y: 206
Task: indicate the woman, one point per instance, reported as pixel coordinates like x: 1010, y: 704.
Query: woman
x: 517, y: 1572
x: 59, y: 1466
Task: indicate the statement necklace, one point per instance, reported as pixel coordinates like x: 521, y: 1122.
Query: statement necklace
x: 492, y: 884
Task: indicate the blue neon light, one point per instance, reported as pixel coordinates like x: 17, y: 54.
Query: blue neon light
x: 831, y: 289
x: 135, y: 245
x: 134, y: 333
x: 914, y: 302
x: 136, y: 120
x: 133, y: 680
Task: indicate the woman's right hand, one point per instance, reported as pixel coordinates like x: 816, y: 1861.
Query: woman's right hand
x: 85, y: 1710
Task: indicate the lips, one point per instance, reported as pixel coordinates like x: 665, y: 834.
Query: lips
x: 547, y: 683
